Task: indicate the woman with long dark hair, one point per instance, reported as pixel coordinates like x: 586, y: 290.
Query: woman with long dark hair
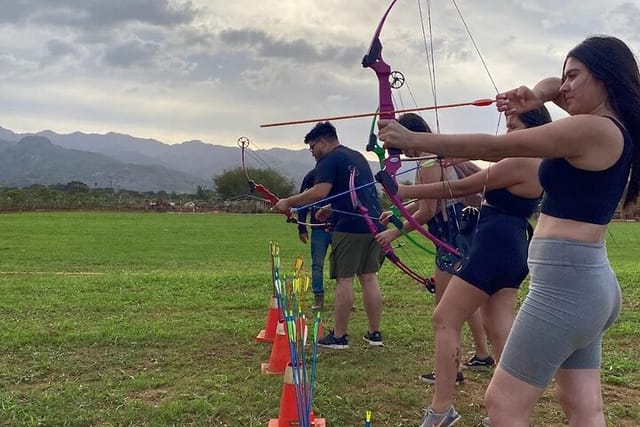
x: 589, y: 160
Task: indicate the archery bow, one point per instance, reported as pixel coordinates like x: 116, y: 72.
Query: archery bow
x: 387, y: 177
x: 374, y: 229
x: 243, y: 143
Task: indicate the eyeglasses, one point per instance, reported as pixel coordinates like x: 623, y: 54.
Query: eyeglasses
x: 312, y: 146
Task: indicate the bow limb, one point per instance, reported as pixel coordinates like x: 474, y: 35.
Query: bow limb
x: 386, y: 248
x: 387, y: 177
x: 390, y: 187
x: 373, y: 59
x: 243, y: 143
x: 395, y: 220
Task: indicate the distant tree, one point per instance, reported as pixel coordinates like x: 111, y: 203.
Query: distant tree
x: 76, y: 195
x: 77, y: 187
x: 203, y: 194
x: 232, y: 183
x: 40, y: 196
x: 16, y: 198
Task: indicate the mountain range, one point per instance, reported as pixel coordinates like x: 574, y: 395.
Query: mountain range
x: 121, y: 161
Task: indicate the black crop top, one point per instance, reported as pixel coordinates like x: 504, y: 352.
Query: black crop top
x: 582, y: 195
x: 510, y: 203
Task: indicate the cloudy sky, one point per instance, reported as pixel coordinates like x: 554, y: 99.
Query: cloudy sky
x: 214, y: 70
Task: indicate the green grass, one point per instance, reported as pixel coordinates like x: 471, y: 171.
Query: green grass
x: 149, y: 319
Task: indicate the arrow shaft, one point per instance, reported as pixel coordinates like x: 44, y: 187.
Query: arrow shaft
x: 478, y: 103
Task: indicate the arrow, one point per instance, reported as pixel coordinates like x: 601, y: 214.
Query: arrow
x: 477, y: 103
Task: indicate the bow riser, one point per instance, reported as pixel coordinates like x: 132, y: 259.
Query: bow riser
x: 272, y: 198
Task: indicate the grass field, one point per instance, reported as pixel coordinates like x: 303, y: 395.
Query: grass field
x: 117, y: 319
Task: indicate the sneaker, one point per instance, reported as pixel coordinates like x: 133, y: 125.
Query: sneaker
x: 430, y: 378
x: 486, y: 422
x: 318, y: 302
x: 477, y: 364
x: 373, y: 338
x: 449, y: 418
x: 331, y: 341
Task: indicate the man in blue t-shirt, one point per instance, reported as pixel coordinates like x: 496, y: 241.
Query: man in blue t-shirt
x: 354, y: 250
x: 320, y: 241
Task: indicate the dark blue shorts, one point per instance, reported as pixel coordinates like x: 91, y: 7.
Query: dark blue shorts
x: 497, y: 258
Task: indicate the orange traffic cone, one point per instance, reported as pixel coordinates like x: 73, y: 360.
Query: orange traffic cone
x: 288, y: 415
x: 279, y: 353
x: 273, y: 315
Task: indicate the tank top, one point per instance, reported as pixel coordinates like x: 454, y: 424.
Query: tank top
x: 582, y: 195
x: 512, y: 204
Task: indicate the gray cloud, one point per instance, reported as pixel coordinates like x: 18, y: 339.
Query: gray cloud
x: 10, y: 66
x: 300, y: 50
x: 624, y: 19
x: 57, y: 51
x: 132, y: 52
x: 89, y: 14
x: 59, y: 47
x: 156, y: 35
x: 154, y: 12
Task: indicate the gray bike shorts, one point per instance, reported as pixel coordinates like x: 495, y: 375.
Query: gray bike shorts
x: 573, y: 298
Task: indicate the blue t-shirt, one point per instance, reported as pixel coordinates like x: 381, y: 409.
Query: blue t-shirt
x: 335, y: 168
x: 308, y: 182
